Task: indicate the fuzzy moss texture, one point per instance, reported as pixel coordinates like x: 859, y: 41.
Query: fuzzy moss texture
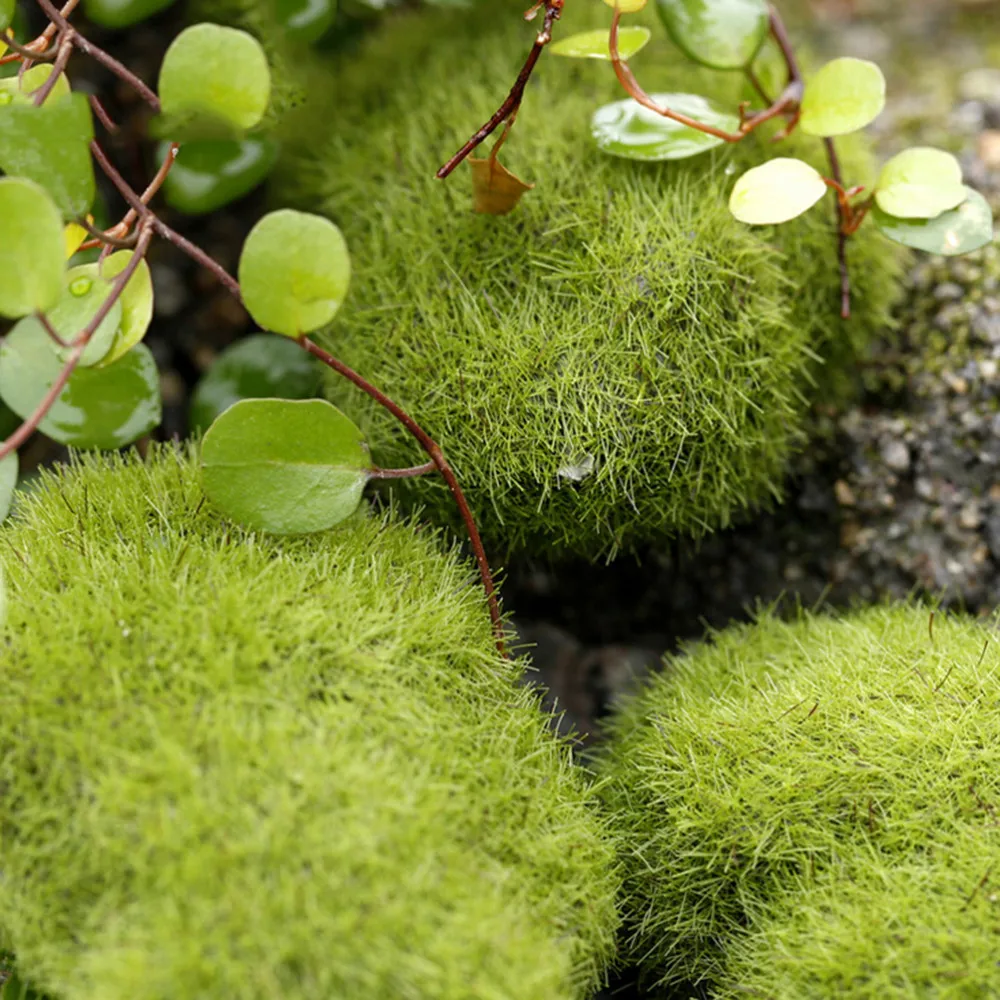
x: 235, y: 766
x: 616, y: 361
x: 809, y: 810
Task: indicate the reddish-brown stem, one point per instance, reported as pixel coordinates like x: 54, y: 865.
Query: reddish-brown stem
x: 102, y: 115
x: 411, y: 473
x: 553, y: 8
x: 780, y: 34
x: 97, y: 53
x: 785, y: 104
x: 757, y: 85
x: 50, y: 329
x: 154, y: 185
x: 102, y: 238
x: 49, y: 33
x: 845, y: 274
x: 440, y: 463
x: 77, y: 347
x: 35, y: 54
x: 58, y: 67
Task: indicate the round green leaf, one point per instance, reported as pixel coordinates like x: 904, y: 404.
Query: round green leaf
x: 723, y: 34
x: 210, y: 173
x: 136, y: 303
x: 775, y: 192
x: 122, y: 13
x: 8, y: 481
x: 629, y: 130
x: 294, y: 271
x: 18, y: 89
x: 844, y: 96
x: 594, y: 44
x: 261, y: 366
x: 51, y: 146
x: 288, y: 467
x: 32, y: 257
x: 7, y: 8
x: 84, y: 294
x: 920, y: 183
x: 216, y: 72
x: 99, y: 407
x: 960, y: 230
x: 305, y: 21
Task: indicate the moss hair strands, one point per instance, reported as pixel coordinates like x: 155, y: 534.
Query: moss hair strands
x: 75, y: 367
x: 842, y: 97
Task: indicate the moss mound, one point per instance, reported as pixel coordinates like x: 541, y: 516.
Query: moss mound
x: 244, y: 767
x: 616, y: 361
x: 782, y: 781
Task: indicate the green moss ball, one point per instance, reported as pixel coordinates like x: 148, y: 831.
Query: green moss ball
x: 618, y: 359
x: 925, y: 930
x: 246, y: 767
x: 745, y: 778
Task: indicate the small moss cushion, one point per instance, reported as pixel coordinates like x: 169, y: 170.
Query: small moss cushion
x: 616, y: 361
x: 789, y: 783
x: 243, y: 767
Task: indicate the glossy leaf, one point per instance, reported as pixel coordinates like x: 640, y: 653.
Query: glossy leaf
x: 7, y: 8
x: 210, y: 173
x: 51, y: 145
x: 294, y: 272
x: 31, y: 248
x: 18, y: 89
x: 775, y: 192
x: 136, y: 302
x: 594, y: 44
x: 8, y: 482
x: 958, y: 231
x: 627, y: 6
x: 723, y: 34
x: 261, y: 366
x: 629, y: 130
x: 305, y: 21
x: 216, y: 72
x: 85, y: 292
x: 844, y: 96
x: 920, y: 183
x: 122, y: 13
x: 283, y: 466
x: 99, y: 407
x: 495, y: 190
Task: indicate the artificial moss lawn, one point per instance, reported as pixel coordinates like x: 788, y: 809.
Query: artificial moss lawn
x: 809, y: 809
x: 244, y: 767
x: 616, y: 361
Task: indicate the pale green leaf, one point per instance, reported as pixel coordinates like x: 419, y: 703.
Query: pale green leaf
x: 594, y: 44
x: 844, y: 96
x: 31, y: 248
x: 920, y: 183
x: 294, y: 272
x: 775, y: 192
x: 136, y: 302
x: 958, y: 231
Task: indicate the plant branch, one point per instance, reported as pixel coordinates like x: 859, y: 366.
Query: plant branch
x: 96, y: 52
x: 102, y: 115
x: 440, y: 463
x: 510, y: 106
x: 411, y: 473
x: 845, y: 274
x: 51, y: 330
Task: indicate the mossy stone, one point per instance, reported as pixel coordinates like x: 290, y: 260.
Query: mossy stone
x: 616, y: 361
x: 776, y: 784
x: 248, y: 767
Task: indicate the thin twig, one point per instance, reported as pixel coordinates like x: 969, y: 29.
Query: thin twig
x: 58, y: 67
x: 51, y: 330
x: 106, y: 238
x: 845, y: 274
x: 437, y: 457
x: 102, y: 115
x: 553, y: 9
x: 410, y: 473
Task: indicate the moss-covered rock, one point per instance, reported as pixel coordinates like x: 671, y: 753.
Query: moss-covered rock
x: 617, y: 360
x: 779, y: 782
x: 236, y: 766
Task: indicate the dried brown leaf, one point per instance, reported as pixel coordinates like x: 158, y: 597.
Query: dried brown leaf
x: 495, y: 190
